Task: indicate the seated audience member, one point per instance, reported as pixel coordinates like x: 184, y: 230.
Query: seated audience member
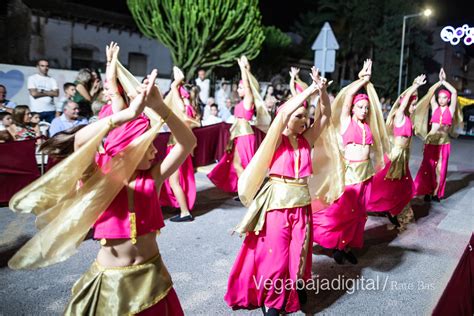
x: 207, y: 108
x: 34, y: 122
x: 213, y: 117
x: 68, y: 119
x: 21, y: 122
x: 5, y: 105
x: 96, y: 107
x: 224, y: 112
x: 6, y: 127
x: 87, y: 89
x: 69, y: 89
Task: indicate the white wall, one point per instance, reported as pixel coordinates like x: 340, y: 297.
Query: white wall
x: 58, y: 36
x: 15, y: 78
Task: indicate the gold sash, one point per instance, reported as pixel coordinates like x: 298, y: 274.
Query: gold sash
x: 275, y: 194
x: 240, y: 127
x: 358, y: 171
x: 437, y: 138
x: 399, y: 158
x: 120, y: 290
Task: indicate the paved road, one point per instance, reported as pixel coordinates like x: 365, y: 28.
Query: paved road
x: 403, y: 274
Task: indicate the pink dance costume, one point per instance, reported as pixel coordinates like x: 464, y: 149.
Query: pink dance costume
x: 121, y: 220
x: 224, y: 176
x: 435, y: 158
x: 276, y: 246
x: 186, y: 176
x: 342, y: 224
x: 392, y: 187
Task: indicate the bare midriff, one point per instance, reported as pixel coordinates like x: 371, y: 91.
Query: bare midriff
x: 356, y: 152
x: 122, y: 252
x: 402, y: 140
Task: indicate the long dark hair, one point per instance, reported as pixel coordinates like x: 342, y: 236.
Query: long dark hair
x: 61, y: 145
x: 18, y: 114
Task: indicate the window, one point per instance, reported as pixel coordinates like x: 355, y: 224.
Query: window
x: 137, y: 64
x: 81, y: 58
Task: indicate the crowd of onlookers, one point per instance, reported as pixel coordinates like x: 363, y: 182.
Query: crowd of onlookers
x: 83, y: 99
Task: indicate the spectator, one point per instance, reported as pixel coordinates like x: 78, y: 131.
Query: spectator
x: 7, y: 131
x: 278, y: 92
x: 225, y: 112
x: 21, y: 123
x: 43, y: 89
x: 234, y: 95
x: 207, y: 108
x: 222, y: 94
x: 213, y: 117
x: 96, y: 107
x: 34, y: 122
x: 5, y: 105
x: 69, y: 89
x: 87, y: 89
x: 68, y: 119
x: 204, y: 85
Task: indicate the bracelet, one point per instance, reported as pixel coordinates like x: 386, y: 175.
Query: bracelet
x: 111, y: 125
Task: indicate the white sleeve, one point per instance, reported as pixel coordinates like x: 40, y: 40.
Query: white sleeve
x: 54, y: 84
x: 31, y: 83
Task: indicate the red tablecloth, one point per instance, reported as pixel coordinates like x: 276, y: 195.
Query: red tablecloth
x: 17, y: 167
x: 458, y: 296
x: 18, y: 164
x: 211, y: 143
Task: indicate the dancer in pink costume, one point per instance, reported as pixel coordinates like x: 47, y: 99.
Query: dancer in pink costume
x: 179, y: 190
x: 431, y: 177
x: 241, y: 147
x: 341, y: 225
x: 392, y: 187
x: 276, y: 250
x: 117, y: 194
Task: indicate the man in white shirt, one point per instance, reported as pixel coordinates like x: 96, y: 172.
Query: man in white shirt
x: 5, y: 105
x: 68, y: 119
x: 42, y: 90
x: 204, y: 85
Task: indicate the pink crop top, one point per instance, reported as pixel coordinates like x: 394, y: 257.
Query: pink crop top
x: 190, y: 111
x: 356, y: 135
x: 442, y: 118
x: 292, y: 163
x: 241, y: 112
x: 406, y: 130
x: 114, y: 222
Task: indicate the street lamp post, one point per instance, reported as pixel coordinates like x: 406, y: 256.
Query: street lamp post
x: 426, y: 13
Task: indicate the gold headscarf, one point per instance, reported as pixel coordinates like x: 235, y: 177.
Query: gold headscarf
x: 66, y: 208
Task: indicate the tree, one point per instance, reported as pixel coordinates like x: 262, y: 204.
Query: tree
x: 201, y: 33
x: 273, y: 54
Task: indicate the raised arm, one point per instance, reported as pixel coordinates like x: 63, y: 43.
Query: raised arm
x: 293, y: 76
x: 177, y: 82
x: 400, y: 114
x: 111, y: 52
x: 323, y: 108
x: 364, y: 78
x: 133, y: 111
x: 244, y: 67
x: 185, y: 139
x: 454, y: 93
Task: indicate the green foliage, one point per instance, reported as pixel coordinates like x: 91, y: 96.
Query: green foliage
x: 273, y: 54
x: 201, y: 33
x: 369, y: 29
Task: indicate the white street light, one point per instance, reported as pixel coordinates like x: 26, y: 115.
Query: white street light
x: 427, y: 13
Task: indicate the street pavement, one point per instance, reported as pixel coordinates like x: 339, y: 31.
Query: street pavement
x: 397, y: 273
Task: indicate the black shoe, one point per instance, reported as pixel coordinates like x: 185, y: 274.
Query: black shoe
x: 436, y: 198
x: 178, y: 218
x: 338, y: 256
x: 350, y: 257
x: 393, y: 219
x: 272, y: 312
x: 236, y: 198
x: 301, y: 291
x: 427, y: 198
